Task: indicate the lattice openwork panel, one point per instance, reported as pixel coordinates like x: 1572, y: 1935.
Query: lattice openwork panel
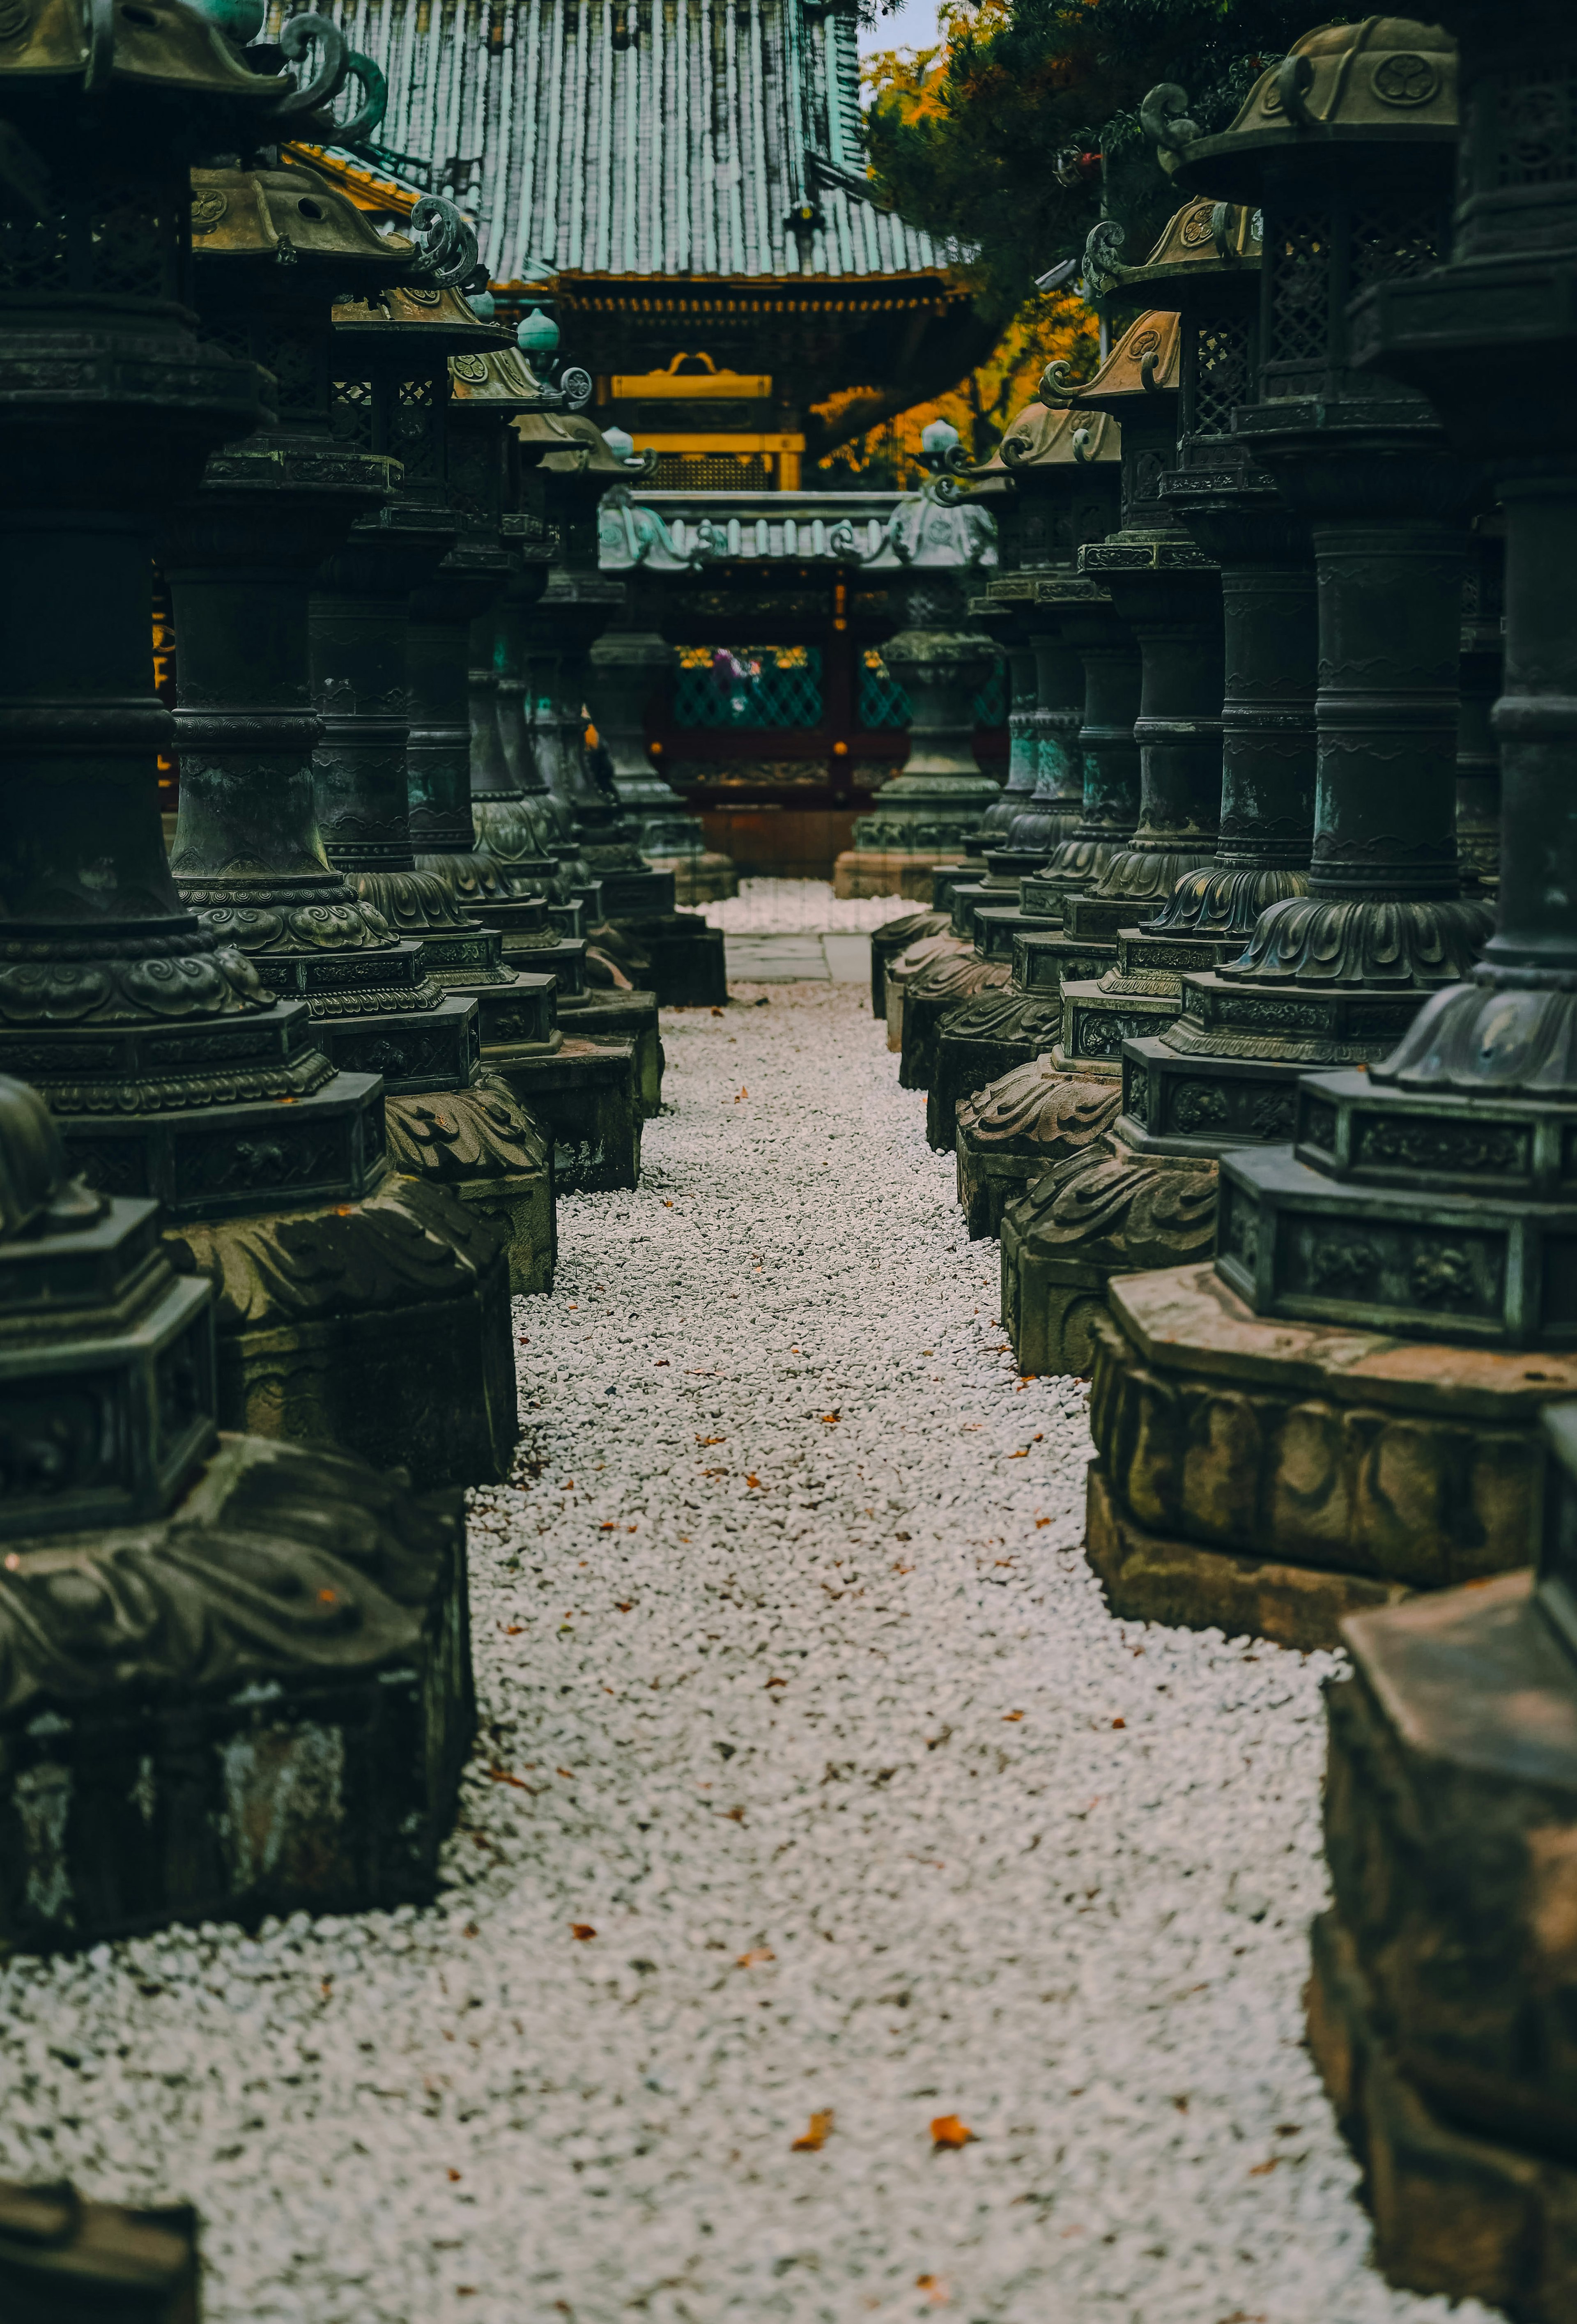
x: 475, y: 475
x: 1221, y: 378
x: 748, y: 685
x: 129, y: 234
x: 713, y: 472
x: 295, y: 365
x: 413, y: 430
x: 1299, y: 257
x: 350, y: 412
x: 883, y: 701
x: 1535, y: 122
x: 991, y: 703
x: 114, y: 237
x: 1388, y: 243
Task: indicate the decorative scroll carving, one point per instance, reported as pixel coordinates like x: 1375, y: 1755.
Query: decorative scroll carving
x: 280, y: 1560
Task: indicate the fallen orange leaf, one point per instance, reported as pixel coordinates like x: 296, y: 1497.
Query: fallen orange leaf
x: 830, y: 1416
x: 753, y: 1958
x: 1041, y: 1521
x: 1262, y: 2169
x: 1011, y: 1718
x: 753, y: 1481
x: 582, y: 1929
x: 503, y: 1776
x: 948, y: 2131
x: 816, y: 2136
x: 1023, y: 1455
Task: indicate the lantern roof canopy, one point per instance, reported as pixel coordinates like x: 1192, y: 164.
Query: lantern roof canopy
x: 413, y: 310
x: 1388, y: 81
x: 1043, y: 438
x: 293, y: 215
x: 1207, y: 256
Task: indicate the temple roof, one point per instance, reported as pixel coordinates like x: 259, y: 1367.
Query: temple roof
x: 683, y: 153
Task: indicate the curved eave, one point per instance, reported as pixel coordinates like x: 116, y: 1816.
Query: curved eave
x: 1235, y: 166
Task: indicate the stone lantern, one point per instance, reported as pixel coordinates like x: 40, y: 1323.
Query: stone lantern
x: 1152, y: 564
x: 487, y: 389
x: 392, y: 620
x: 629, y: 667
x: 247, y: 856
x: 1421, y: 1202
x: 1441, y: 2005
x: 570, y: 466
x: 1204, y: 269
x: 929, y: 813
x: 174, y: 1071
x: 1062, y: 470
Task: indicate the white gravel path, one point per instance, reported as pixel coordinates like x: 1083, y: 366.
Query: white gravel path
x: 799, y: 1694
x: 784, y: 908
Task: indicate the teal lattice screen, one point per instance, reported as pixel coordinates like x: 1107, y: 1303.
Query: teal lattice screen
x: 750, y: 685
x: 991, y: 703
x: 884, y: 702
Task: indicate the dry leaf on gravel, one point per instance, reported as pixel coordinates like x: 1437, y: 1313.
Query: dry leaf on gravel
x: 946, y: 2130
x: 816, y: 2136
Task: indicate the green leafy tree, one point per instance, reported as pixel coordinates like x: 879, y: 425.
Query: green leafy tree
x: 1023, y: 129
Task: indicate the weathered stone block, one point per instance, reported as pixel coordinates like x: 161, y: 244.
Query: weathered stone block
x: 1150, y: 1577
x: 382, y: 1327
x: 1454, y: 2211
x: 259, y: 1705
x: 876, y: 872
x: 64, y: 2261
x: 586, y: 1098
x: 687, y: 967
x: 623, y: 1016
x: 1342, y: 1450
x: 1450, y: 1826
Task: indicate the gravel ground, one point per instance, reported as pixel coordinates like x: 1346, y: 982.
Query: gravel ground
x: 785, y: 908
x: 799, y: 1695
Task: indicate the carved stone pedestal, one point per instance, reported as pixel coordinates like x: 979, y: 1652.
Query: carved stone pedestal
x: 1440, y: 2005
x: 618, y: 1018
x: 1094, y: 1214
x: 588, y: 1099
x: 63, y: 2261
x: 1336, y: 1452
x: 235, y: 1676
x: 383, y: 1323
x: 1011, y: 1132
x: 260, y: 1704
x: 888, y: 872
x: 471, y: 1143
x: 930, y: 998
x: 891, y: 938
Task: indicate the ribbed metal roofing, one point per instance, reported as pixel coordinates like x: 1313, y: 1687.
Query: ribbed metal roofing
x: 680, y: 154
